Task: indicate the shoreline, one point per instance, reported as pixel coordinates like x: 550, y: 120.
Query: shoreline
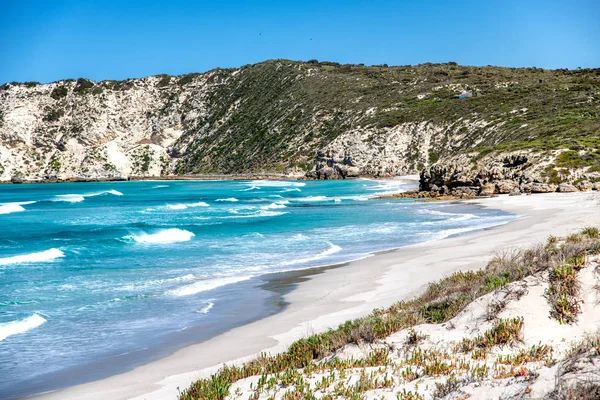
x: 207, y: 177
x: 335, y: 295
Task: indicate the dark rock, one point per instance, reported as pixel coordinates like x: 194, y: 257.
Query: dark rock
x: 18, y: 177
x: 526, y: 187
x: 465, y: 191
x: 596, y: 186
x: 514, y: 160
x: 567, y: 188
x: 515, y: 192
x: 585, y: 186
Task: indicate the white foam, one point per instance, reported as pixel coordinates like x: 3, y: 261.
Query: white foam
x: 276, y: 205
x: 251, y: 188
x: 231, y: 199
x: 199, y: 204
x: 76, y: 198
x: 312, y: 198
x: 164, y: 236
x: 176, y: 206
x: 10, y: 208
x: 158, y: 282
x: 160, y: 186
x: 205, y: 285
x: 184, y: 206
x: 276, y: 183
x: 331, y: 250
x: 41, y: 256
x: 292, y: 190
x: 71, y: 198
x: 21, y: 326
x: 206, y: 309
x: 261, y: 213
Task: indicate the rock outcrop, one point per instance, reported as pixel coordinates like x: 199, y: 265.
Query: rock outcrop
x: 510, y: 173
x: 313, y: 119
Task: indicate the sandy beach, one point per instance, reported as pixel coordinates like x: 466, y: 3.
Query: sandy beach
x: 334, y: 295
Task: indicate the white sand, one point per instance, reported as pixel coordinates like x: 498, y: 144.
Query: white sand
x: 339, y: 294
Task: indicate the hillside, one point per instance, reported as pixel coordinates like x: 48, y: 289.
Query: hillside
x: 317, y: 119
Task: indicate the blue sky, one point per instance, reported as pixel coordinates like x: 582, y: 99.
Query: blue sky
x: 50, y: 40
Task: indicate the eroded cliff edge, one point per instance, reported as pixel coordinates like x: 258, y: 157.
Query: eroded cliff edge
x: 467, y: 127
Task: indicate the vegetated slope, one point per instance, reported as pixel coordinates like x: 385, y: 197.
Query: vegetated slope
x: 321, y: 119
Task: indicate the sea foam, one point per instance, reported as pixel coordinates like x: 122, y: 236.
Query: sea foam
x: 331, y: 250
x: 11, y: 208
x: 184, y: 206
x: 164, y: 236
x: 76, y: 198
x: 205, y: 285
x: 41, y: 256
x: 21, y: 326
x: 231, y: 199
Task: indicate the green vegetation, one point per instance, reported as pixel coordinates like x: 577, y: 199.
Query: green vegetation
x: 83, y: 86
x: 563, y: 291
x: 290, y: 109
x: 59, y: 92
x: 438, y: 304
x: 54, y: 114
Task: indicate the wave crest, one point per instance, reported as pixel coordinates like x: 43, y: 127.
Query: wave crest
x: 76, y: 198
x: 164, y: 236
x: 41, y: 256
x: 20, y: 326
x: 205, y: 285
x: 11, y: 208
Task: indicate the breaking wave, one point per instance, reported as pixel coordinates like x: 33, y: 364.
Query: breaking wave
x: 41, y: 256
x: 184, y: 206
x: 76, y: 198
x: 164, y: 236
x: 331, y: 250
x: 21, y: 326
x: 205, y: 285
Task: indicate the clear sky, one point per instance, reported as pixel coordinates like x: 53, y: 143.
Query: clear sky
x: 53, y: 39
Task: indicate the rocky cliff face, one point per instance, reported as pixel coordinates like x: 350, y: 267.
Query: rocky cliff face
x: 319, y: 120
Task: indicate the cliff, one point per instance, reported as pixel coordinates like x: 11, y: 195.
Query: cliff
x: 313, y: 119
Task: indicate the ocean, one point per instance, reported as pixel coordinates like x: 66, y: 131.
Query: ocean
x: 118, y: 273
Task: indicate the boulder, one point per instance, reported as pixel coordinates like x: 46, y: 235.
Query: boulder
x: 567, y: 188
x: 596, y: 186
x: 325, y: 173
x: 542, y: 188
x: 504, y: 187
x: 465, y: 191
x: 526, y: 187
x: 585, y: 186
x: 487, y: 189
x: 18, y: 177
x: 515, y: 192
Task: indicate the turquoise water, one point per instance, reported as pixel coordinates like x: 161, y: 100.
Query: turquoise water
x: 90, y: 271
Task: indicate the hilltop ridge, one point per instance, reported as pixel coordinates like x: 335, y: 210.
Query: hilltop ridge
x: 311, y: 119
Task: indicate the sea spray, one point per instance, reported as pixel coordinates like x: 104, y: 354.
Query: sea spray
x: 164, y: 236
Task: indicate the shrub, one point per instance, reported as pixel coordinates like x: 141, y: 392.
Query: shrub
x: 562, y: 294
x: 54, y: 115
x: 59, y: 92
x: 83, y: 85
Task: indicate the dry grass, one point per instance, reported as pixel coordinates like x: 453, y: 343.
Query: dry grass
x: 440, y: 302
x: 578, y: 376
